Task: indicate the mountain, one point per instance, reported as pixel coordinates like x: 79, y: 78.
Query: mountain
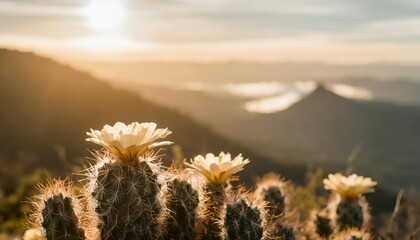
x: 322, y: 129
x: 397, y: 91
x: 46, y: 109
x: 179, y: 73
x: 325, y: 128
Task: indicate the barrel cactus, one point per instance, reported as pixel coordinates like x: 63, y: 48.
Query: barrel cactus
x: 58, y: 213
x: 125, y: 184
x: 181, y: 200
x: 217, y: 170
x: 347, y: 206
x: 242, y: 219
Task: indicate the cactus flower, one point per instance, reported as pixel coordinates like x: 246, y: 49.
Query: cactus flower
x: 128, y: 142
x: 217, y: 169
x: 32, y: 234
x: 352, y: 186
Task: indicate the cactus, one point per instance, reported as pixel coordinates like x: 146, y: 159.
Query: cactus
x: 181, y: 203
x: 125, y: 184
x: 283, y: 230
x: 275, y: 193
x: 320, y: 225
x: 243, y: 220
x: 347, y: 207
x: 126, y: 197
x: 217, y: 170
x: 349, y: 212
x: 57, y: 212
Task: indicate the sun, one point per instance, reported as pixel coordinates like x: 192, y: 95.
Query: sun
x: 103, y: 15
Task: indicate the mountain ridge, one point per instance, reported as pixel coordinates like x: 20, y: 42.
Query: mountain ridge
x: 47, y: 107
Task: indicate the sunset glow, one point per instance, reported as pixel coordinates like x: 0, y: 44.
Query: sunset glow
x: 105, y: 15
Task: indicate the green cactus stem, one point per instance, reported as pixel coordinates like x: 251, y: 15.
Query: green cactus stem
x: 181, y: 202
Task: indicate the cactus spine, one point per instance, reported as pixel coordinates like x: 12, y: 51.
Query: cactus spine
x: 214, y: 198
x: 58, y: 212
x: 243, y: 220
x: 181, y: 203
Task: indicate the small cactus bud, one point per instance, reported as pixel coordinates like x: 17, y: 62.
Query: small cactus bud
x: 243, y: 220
x: 57, y: 212
x: 274, y: 193
x: 179, y: 217
x: 32, y: 234
x: 320, y: 225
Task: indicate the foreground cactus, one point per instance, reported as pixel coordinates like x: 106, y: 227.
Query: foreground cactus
x: 57, y: 213
x: 347, y: 207
x: 274, y: 194
x: 319, y: 225
x: 217, y: 170
x: 243, y: 220
x: 128, y: 195
x: 125, y: 183
x: 181, y: 199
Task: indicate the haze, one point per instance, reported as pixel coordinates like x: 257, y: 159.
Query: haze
x: 339, y: 32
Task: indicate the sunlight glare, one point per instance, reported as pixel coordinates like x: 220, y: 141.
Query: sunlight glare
x: 348, y: 91
x: 273, y: 104
x: 105, y: 14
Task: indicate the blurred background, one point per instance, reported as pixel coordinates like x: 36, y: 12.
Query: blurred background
x: 302, y: 88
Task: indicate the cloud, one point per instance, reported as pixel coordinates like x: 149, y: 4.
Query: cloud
x: 312, y: 30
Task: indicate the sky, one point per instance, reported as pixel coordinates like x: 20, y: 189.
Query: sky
x: 329, y: 31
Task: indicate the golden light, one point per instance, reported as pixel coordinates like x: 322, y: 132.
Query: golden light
x: 105, y: 15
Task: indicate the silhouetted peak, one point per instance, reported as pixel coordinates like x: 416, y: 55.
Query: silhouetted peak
x: 321, y: 91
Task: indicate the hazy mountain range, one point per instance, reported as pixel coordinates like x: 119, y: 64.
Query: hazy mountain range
x: 46, y: 109
x: 322, y: 128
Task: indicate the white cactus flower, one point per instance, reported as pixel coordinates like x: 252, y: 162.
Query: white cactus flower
x: 217, y: 169
x: 32, y: 234
x: 352, y: 186
x: 128, y: 142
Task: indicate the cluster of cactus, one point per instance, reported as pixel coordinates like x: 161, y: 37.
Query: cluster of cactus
x: 128, y: 194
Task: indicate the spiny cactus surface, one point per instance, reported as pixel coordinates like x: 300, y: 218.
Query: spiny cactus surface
x: 322, y: 225
x: 57, y: 212
x: 349, y: 214
x: 214, y: 200
x: 60, y: 220
x: 243, y: 222
x: 127, y: 200
x: 181, y: 204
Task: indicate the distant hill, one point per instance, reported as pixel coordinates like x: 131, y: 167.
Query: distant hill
x: 323, y: 129
x: 46, y: 108
x: 326, y: 128
x: 178, y: 73
x: 396, y: 91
